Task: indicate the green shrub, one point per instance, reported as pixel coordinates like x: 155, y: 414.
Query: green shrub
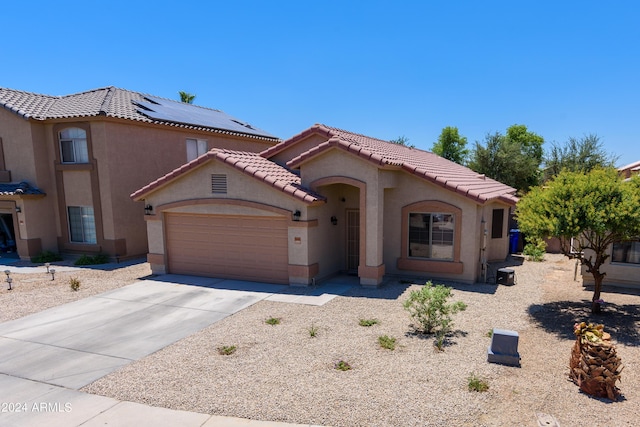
x: 92, y: 260
x: 226, y: 350
x: 428, y: 306
x: 387, y: 342
x: 46, y: 256
x: 475, y: 383
x: 272, y: 321
x: 74, y: 283
x: 341, y: 365
x: 368, y: 322
x: 313, y: 331
x: 535, y: 249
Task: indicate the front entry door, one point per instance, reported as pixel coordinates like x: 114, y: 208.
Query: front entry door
x: 353, y: 239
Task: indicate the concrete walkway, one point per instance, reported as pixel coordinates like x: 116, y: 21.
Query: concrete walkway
x: 45, y: 358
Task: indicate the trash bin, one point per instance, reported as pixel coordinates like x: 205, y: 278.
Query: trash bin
x: 514, y: 239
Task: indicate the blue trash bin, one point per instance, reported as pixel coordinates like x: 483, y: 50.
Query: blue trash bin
x: 514, y: 238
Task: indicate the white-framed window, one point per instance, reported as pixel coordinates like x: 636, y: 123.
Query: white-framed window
x: 73, y: 146
x: 626, y: 252
x: 195, y: 148
x: 82, y: 224
x: 431, y: 235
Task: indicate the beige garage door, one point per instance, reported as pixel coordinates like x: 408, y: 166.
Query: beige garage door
x: 247, y: 248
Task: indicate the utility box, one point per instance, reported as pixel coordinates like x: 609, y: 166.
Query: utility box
x: 506, y: 276
x: 504, y: 348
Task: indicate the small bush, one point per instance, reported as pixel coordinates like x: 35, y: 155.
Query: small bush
x: 428, y: 306
x: 272, y: 321
x: 387, y: 342
x: 92, y: 260
x: 313, y: 331
x: 535, y: 249
x: 74, y: 283
x: 489, y: 334
x: 226, y: 350
x: 46, y: 256
x: 341, y: 365
x: 475, y: 383
x: 368, y: 322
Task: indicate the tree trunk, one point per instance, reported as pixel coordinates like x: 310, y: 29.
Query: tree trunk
x: 597, y: 288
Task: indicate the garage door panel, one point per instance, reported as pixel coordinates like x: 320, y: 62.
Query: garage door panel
x: 246, y: 248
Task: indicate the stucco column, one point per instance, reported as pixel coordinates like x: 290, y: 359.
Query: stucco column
x: 371, y: 268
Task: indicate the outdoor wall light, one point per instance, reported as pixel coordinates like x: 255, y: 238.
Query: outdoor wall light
x: 296, y: 215
x: 53, y: 274
x: 9, y: 279
x: 18, y: 209
x: 148, y: 209
x: 334, y: 220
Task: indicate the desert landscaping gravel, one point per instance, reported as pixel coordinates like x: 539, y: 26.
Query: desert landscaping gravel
x: 281, y: 373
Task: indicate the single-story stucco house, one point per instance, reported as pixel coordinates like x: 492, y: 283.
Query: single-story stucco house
x: 323, y: 202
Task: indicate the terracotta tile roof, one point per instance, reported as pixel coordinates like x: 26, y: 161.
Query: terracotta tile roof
x: 114, y: 102
x: 251, y: 164
x: 421, y: 163
x: 19, y: 189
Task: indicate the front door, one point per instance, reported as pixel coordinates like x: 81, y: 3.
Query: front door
x: 353, y: 239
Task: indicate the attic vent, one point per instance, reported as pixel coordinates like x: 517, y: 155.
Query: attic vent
x: 218, y: 184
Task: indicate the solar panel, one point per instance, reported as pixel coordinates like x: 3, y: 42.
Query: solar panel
x: 181, y: 112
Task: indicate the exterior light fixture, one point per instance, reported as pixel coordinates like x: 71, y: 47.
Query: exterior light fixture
x: 148, y: 209
x: 18, y: 209
x: 334, y: 220
x: 9, y: 279
x: 296, y: 215
x: 53, y: 273
x: 46, y: 264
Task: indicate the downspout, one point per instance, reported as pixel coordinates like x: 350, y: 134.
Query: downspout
x: 483, y: 250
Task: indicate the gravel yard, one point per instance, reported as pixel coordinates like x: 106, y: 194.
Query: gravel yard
x: 281, y: 373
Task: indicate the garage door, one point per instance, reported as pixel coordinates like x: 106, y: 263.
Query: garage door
x: 246, y: 248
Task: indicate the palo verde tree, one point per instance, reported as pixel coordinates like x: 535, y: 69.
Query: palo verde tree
x: 451, y: 145
x: 402, y: 140
x: 593, y: 210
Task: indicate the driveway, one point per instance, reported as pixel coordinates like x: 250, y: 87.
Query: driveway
x: 70, y: 346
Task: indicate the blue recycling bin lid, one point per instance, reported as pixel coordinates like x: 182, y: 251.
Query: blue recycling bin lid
x: 514, y: 230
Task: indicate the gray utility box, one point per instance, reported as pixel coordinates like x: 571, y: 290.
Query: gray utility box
x: 504, y: 348
x: 506, y: 276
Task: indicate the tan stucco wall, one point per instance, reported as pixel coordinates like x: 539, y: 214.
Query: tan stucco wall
x: 77, y: 185
x: 617, y: 273
x: 18, y: 146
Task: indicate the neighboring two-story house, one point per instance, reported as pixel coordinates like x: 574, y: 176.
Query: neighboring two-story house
x: 69, y: 163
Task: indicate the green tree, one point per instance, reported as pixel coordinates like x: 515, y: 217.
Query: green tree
x: 402, y: 140
x: 577, y: 155
x: 513, y: 159
x: 186, y: 97
x: 451, y: 145
x: 588, y: 212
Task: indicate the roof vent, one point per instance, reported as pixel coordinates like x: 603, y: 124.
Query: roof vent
x: 482, y: 176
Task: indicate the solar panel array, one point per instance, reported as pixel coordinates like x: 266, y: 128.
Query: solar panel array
x: 181, y: 112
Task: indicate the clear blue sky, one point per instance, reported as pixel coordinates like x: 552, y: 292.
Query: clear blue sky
x: 384, y: 69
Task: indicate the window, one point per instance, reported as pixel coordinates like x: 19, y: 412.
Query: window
x: 497, y: 222
x: 218, y: 183
x: 195, y: 148
x: 431, y: 235
x: 82, y: 225
x: 626, y: 252
x: 73, y: 146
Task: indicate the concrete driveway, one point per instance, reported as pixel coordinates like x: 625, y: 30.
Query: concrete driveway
x: 56, y: 351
